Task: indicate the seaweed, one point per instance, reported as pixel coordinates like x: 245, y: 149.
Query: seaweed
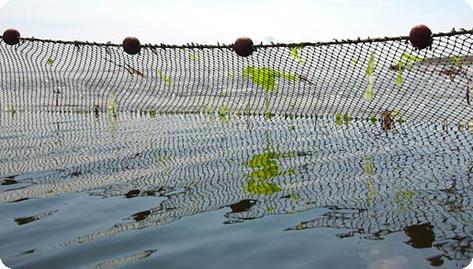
x: 343, y: 119
x: 265, y: 77
x: 112, y: 105
x: 294, y: 52
x: 132, y: 71
x: 50, y: 62
x: 457, y: 70
x: 405, y: 63
x: 167, y: 80
x: 369, y: 73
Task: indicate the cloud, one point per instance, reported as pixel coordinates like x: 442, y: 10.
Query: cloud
x: 469, y: 2
x: 2, y: 3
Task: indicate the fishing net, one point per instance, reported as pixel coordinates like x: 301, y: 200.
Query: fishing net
x: 416, y: 179
x: 370, y: 79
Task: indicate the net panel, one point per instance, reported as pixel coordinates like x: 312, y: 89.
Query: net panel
x: 370, y: 79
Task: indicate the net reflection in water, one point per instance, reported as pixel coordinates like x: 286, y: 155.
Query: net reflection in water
x: 414, y: 179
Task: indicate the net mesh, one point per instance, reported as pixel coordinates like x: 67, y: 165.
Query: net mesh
x: 372, y: 183
x: 370, y: 79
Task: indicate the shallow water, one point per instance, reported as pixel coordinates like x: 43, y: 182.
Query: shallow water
x: 200, y: 191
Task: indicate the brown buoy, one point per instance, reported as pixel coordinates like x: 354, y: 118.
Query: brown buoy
x: 131, y: 45
x: 243, y: 46
x: 11, y: 36
x: 420, y: 37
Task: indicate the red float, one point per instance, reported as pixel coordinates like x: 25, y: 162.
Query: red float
x: 420, y: 37
x: 243, y: 46
x: 131, y: 45
x: 11, y: 37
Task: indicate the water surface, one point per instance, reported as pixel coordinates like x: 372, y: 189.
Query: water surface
x: 220, y: 191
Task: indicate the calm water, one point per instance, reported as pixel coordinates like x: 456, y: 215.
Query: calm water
x: 200, y: 191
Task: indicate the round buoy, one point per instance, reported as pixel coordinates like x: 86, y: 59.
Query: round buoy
x: 243, y: 46
x: 420, y: 37
x: 131, y: 45
x: 11, y: 37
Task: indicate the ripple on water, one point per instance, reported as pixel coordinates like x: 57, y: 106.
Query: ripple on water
x: 176, y: 191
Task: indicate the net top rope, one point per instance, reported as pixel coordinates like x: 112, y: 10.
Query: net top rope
x: 453, y: 32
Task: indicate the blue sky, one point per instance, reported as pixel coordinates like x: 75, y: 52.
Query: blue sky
x: 211, y: 21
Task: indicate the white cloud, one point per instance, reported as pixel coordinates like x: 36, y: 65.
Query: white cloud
x: 469, y: 2
x: 2, y: 3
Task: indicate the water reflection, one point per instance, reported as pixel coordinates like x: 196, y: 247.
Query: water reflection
x: 125, y: 260
x: 372, y: 183
x: 420, y: 236
x: 265, y: 168
x: 36, y: 217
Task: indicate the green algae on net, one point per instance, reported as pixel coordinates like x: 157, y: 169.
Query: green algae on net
x: 265, y: 77
x: 369, y: 92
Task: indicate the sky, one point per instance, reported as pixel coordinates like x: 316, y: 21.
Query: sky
x: 212, y: 21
